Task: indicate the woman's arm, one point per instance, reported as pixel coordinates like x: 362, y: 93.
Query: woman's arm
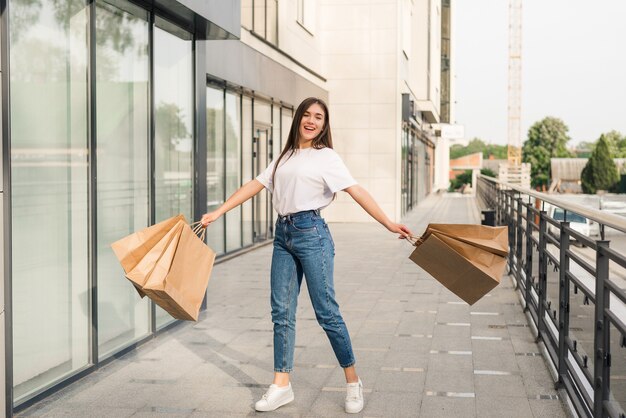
x: 244, y: 193
x: 367, y: 202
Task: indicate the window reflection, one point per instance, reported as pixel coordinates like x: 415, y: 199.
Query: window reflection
x: 215, y: 165
x: 233, y: 168
x: 49, y: 179
x: 173, y: 117
x: 122, y: 73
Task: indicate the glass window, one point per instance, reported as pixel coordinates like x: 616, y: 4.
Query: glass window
x: 215, y: 165
x: 49, y: 180
x: 275, y: 149
x: 261, y: 16
x: 173, y: 120
x: 246, y: 167
x: 306, y: 14
x: 262, y: 135
x: 271, y: 22
x: 122, y: 126
x: 285, y: 126
x: 233, y: 168
x: 559, y: 215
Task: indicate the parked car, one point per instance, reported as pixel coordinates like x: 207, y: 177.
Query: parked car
x: 577, y: 222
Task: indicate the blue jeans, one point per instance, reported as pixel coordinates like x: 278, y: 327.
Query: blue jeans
x: 303, y: 245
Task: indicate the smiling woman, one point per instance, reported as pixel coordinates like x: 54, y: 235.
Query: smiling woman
x: 303, y: 181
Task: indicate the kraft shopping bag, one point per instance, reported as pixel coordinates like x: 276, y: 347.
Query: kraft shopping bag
x: 468, y: 260
x: 180, y: 277
x: 139, y: 274
x: 132, y: 248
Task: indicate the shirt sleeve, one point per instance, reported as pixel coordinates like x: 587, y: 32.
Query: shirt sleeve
x: 265, y: 178
x: 336, y: 175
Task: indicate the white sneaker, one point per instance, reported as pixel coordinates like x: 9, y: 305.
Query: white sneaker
x: 274, y: 398
x: 354, y: 397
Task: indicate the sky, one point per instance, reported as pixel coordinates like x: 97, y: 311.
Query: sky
x: 573, y: 66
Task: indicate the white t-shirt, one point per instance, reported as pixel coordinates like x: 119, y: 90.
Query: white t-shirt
x: 306, y: 180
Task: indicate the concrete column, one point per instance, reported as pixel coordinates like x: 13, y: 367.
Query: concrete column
x: 442, y: 164
x: 475, y: 173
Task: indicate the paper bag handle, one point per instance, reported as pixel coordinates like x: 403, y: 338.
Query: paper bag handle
x: 414, y: 240
x: 198, y: 229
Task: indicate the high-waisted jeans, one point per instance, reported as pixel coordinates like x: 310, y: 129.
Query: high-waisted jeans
x: 303, y: 245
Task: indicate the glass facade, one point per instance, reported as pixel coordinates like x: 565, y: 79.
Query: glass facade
x: 215, y: 165
x: 49, y: 181
x: 123, y: 127
x: 103, y: 139
x: 243, y: 137
x: 233, y: 169
x: 173, y: 131
x: 416, y: 168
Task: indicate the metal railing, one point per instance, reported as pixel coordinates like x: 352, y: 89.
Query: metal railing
x: 555, y: 268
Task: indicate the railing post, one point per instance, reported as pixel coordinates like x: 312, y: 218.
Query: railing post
x: 511, y: 230
x: 563, y: 303
x: 498, y: 205
x: 529, y: 254
x: 601, y: 368
x: 542, y: 275
x: 518, y: 242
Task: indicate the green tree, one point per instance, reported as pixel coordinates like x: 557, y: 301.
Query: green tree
x: 616, y: 143
x: 600, y: 172
x: 546, y: 139
x: 478, y: 145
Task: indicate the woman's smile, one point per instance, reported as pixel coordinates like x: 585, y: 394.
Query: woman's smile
x: 311, y: 124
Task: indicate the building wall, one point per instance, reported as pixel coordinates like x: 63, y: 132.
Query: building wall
x: 359, y: 49
x: 296, y: 47
x: 373, y: 51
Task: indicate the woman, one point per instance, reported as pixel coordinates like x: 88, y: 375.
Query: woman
x: 303, y: 180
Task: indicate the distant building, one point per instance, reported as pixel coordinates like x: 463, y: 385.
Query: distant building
x: 566, y: 173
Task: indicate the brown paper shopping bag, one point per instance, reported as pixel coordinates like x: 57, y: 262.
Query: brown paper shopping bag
x: 132, y: 248
x: 180, y: 277
x: 141, y: 272
x: 469, y: 260
x: 492, y: 239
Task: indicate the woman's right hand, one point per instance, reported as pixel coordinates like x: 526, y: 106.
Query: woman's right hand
x: 208, y: 218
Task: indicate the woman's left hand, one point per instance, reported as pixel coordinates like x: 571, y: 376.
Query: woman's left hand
x: 399, y: 229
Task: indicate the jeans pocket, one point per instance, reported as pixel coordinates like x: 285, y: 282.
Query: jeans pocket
x: 303, y: 224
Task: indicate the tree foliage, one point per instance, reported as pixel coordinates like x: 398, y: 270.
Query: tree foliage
x: 466, y: 178
x: 478, y: 145
x: 600, y: 172
x: 546, y: 139
x: 616, y: 143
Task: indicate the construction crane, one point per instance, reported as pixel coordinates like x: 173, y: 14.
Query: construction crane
x: 514, y: 171
x: 514, y: 151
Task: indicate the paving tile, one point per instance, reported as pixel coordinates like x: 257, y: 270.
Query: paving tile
x: 498, y: 407
x: 548, y: 408
x: 392, y: 404
x: 403, y: 380
x: 449, y: 381
x: 495, y: 386
x: 445, y: 407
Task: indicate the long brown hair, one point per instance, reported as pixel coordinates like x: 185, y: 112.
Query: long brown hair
x: 323, y: 140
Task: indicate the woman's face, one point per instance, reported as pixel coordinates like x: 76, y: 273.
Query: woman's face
x: 311, y: 124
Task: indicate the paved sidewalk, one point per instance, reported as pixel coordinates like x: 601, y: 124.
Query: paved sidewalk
x: 420, y: 351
